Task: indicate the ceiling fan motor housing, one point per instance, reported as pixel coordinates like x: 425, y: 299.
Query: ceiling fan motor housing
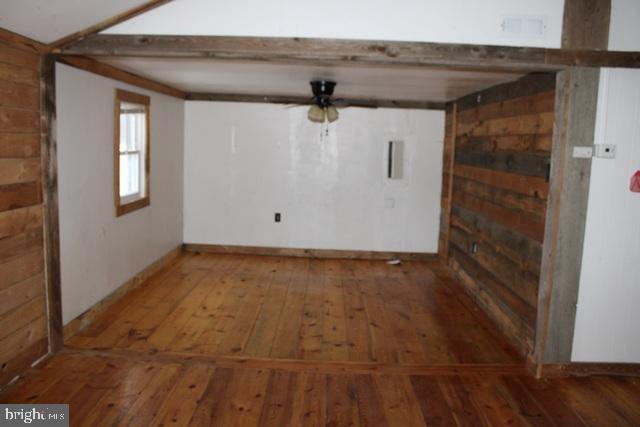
x: 322, y: 91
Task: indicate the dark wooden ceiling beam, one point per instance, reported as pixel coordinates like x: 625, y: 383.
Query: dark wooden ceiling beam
x: 351, y: 52
x: 107, y: 23
x: 306, y: 100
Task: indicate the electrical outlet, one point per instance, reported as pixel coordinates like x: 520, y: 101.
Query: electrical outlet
x: 277, y: 217
x: 605, y: 151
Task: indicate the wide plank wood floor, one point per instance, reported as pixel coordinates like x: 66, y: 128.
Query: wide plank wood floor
x: 295, y: 308
x: 227, y: 340
x: 132, y: 390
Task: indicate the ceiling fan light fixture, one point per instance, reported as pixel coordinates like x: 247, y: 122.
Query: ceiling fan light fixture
x: 316, y: 114
x: 332, y: 114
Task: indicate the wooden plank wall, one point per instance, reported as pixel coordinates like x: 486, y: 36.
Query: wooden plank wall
x: 23, y: 321
x: 499, y: 198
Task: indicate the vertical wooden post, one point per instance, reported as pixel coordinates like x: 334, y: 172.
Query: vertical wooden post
x: 586, y: 26
x: 446, y: 224
x: 50, y: 196
x: 576, y: 99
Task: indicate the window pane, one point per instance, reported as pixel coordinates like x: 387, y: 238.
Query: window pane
x: 132, y: 120
x: 123, y: 132
x: 132, y: 127
x: 129, y: 174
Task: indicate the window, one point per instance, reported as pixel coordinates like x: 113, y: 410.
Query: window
x: 131, y: 152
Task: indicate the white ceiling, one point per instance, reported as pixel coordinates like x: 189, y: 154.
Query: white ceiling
x: 203, y: 75
x: 452, y: 21
x: 442, y: 21
x: 423, y: 20
x: 49, y: 20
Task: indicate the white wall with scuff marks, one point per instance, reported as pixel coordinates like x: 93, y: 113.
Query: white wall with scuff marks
x: 608, y: 315
x: 100, y: 252
x: 245, y: 162
x: 451, y: 21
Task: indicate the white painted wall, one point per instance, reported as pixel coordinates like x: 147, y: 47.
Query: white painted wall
x: 454, y: 21
x: 100, y: 252
x: 608, y: 315
x: 244, y: 162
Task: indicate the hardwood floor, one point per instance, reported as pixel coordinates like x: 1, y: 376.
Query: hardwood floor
x: 230, y: 340
x: 295, y: 308
x: 139, y: 390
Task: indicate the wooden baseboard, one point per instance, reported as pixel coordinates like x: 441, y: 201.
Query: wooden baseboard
x: 582, y: 369
x: 308, y: 253
x: 85, y: 319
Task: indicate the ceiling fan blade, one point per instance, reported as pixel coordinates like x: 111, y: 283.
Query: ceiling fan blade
x: 344, y: 103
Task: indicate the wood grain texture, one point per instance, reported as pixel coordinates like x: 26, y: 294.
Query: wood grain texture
x: 49, y: 156
x: 586, y: 24
x: 448, y: 162
x: 14, y: 145
x: 316, y: 310
x: 23, y: 328
x: 17, y: 41
x: 108, y: 390
x: 566, y: 215
x: 334, y: 51
x: 499, y: 200
x: 306, y: 100
x: 306, y: 253
x: 573, y: 369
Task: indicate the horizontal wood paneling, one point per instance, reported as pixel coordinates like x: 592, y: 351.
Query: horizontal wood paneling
x: 19, y: 144
x: 20, y: 244
x: 19, y: 170
x: 23, y: 327
x: 15, y: 56
x: 19, y: 341
x: 14, y: 196
x: 20, y: 220
x: 499, y: 200
x: 18, y: 120
x: 20, y: 75
x: 21, y: 293
x: 19, y: 96
x: 21, y: 316
x: 20, y: 268
x: 532, y: 186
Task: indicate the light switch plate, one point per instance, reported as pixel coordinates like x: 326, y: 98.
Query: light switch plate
x: 582, y: 152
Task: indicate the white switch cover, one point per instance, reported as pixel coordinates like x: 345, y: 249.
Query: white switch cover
x: 605, y: 151
x: 389, y: 203
x: 582, y: 152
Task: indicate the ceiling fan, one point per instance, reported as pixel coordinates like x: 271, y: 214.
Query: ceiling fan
x: 324, y: 108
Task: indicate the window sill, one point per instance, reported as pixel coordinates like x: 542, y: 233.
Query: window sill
x: 126, y: 208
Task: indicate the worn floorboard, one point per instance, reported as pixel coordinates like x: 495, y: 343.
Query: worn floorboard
x: 245, y: 340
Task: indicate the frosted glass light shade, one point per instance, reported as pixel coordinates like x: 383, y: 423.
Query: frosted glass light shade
x: 316, y: 114
x: 332, y: 114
